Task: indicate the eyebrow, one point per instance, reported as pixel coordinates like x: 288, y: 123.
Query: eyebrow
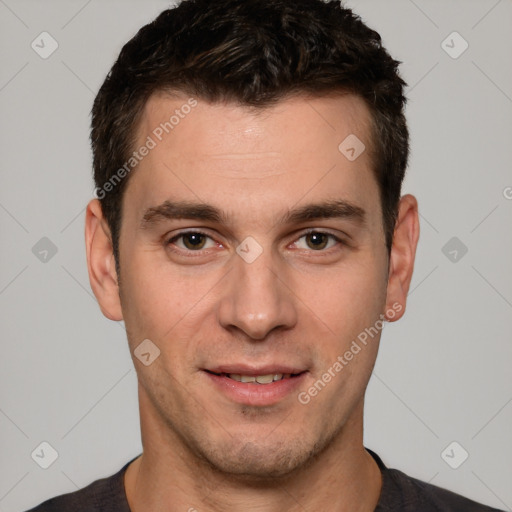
x: 171, y: 210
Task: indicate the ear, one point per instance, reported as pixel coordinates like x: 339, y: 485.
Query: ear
x: 403, y: 252
x: 101, y: 263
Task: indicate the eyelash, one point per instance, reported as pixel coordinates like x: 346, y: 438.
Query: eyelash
x: 200, y: 252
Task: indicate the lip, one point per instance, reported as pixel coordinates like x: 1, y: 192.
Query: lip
x: 253, y: 371
x: 249, y: 393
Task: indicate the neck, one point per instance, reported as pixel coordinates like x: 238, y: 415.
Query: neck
x: 168, y: 478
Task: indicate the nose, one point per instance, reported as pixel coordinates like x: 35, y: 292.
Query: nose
x: 256, y: 298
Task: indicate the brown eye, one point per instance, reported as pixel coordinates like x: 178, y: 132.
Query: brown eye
x: 194, y: 240
x: 191, y: 241
x: 317, y: 240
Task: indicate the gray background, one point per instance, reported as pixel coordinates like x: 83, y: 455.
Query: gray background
x: 443, y: 372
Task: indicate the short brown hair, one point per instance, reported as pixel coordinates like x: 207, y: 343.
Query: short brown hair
x: 254, y: 53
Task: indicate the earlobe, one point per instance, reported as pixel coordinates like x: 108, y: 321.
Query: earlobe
x: 100, y: 262
x: 403, y: 252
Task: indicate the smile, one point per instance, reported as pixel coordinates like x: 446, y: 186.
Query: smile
x: 257, y: 379
x: 256, y: 388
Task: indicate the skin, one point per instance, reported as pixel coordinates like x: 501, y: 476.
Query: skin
x: 295, y: 303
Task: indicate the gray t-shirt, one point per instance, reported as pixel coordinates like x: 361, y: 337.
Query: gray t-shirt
x: 399, y: 493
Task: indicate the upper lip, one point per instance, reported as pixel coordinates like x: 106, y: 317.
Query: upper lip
x: 243, y: 369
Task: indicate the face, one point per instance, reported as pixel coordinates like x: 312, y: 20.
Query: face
x: 253, y: 247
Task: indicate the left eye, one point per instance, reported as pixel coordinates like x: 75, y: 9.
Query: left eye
x: 317, y: 240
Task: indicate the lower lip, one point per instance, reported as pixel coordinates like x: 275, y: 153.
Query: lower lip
x: 249, y: 393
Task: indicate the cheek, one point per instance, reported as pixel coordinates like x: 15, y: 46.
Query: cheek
x: 348, y: 312
x: 352, y: 309
x: 151, y: 302
x: 349, y: 299
x: 165, y: 302
x: 154, y: 308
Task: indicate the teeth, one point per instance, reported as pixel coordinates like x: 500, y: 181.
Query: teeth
x: 265, y: 379
x: 260, y: 379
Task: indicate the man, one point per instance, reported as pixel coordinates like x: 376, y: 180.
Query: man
x: 249, y: 230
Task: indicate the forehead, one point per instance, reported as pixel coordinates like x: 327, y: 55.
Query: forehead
x: 233, y: 156
x: 229, y: 127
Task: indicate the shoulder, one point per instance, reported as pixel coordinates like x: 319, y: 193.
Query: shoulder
x: 403, y: 493
x: 103, y: 495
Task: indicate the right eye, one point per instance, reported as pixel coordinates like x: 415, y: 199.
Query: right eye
x: 191, y: 241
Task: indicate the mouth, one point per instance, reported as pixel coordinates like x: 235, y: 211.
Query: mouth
x: 256, y: 386
x: 262, y: 379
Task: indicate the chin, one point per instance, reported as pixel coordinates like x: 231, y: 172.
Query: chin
x: 260, y: 461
